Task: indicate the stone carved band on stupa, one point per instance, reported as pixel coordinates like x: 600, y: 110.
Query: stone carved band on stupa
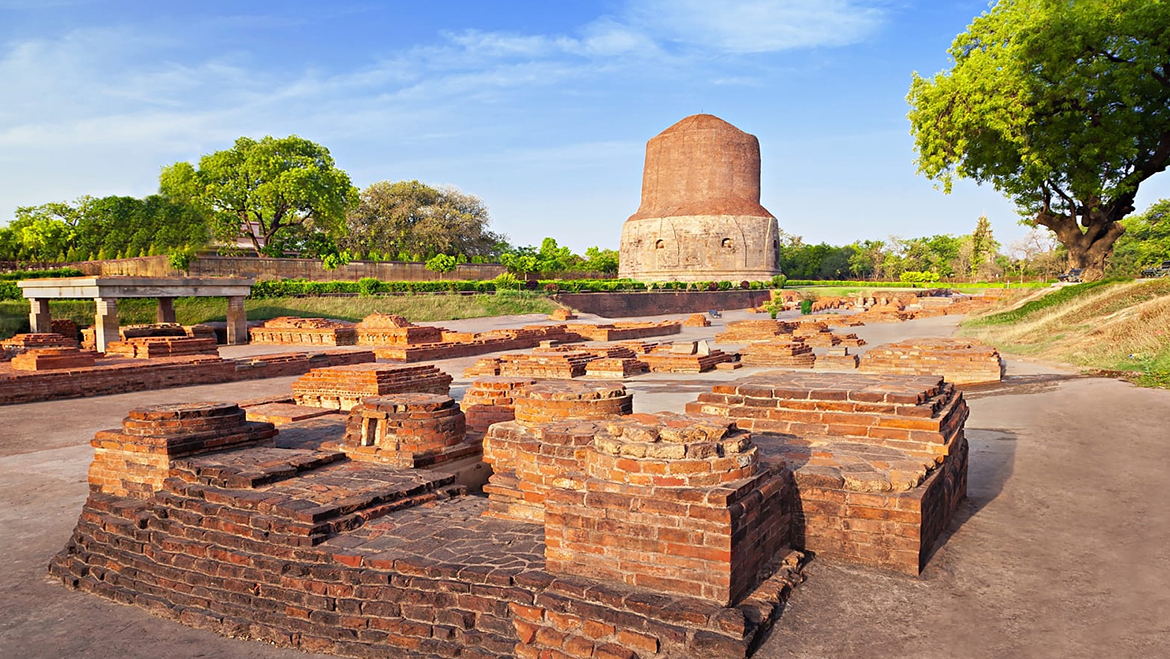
x: 700, y: 218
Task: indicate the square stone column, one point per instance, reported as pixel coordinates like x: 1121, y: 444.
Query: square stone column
x: 237, y: 322
x: 39, y: 319
x: 166, y: 310
x: 105, y: 330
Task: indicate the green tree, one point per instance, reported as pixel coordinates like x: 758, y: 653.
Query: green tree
x: 984, y: 247
x: 261, y: 188
x: 1146, y: 242
x: 601, y: 260
x: 1062, y: 106
x: 442, y: 264
x: 409, y: 217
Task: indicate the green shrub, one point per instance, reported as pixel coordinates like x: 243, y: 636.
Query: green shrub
x: 806, y: 307
x: 778, y: 281
x: 368, y: 286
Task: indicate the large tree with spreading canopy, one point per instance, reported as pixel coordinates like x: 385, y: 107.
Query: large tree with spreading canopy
x: 274, y: 185
x: 1062, y: 105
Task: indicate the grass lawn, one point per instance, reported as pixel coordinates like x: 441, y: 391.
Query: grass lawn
x: 191, y: 310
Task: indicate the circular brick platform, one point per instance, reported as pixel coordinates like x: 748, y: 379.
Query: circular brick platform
x: 672, y: 450
x: 553, y: 401
x: 491, y: 400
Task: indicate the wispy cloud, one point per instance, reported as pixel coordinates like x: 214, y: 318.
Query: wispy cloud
x: 759, y: 26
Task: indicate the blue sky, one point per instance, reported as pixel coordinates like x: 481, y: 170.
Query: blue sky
x: 541, y: 108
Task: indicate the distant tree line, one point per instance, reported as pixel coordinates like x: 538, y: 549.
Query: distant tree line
x: 284, y: 197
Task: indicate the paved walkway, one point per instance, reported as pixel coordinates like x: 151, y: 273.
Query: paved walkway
x: 1062, y: 550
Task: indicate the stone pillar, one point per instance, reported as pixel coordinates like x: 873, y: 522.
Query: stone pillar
x: 166, y: 310
x: 237, y: 322
x: 105, y: 329
x: 39, y: 319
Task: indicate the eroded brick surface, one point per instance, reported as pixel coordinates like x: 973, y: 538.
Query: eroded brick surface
x: 408, y: 430
x: 672, y: 503
x: 960, y: 361
x: 785, y: 353
x: 491, y: 400
x: 343, y: 387
x: 287, y: 330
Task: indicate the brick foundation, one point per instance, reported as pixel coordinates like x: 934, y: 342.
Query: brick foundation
x: 48, y: 359
x: 747, y: 331
x: 961, y: 361
x: 879, y: 463
x: 836, y: 359
x: 672, y: 503
x: 491, y: 400
x: 555, y: 401
x: 692, y: 357
x: 287, y: 330
x: 343, y: 387
x: 161, y: 346
x: 300, y: 547
x: 787, y: 354
x: 407, y: 430
x: 135, y: 460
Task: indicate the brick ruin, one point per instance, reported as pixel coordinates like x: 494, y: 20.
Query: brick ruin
x: 836, y: 359
x: 545, y: 443
x: 603, y: 533
x: 287, y: 330
x: 685, y: 357
x: 793, y: 353
x: 391, y: 330
x: 491, y: 400
x: 879, y: 462
x: 961, y: 361
x: 407, y: 430
x: 342, y: 388
x: 669, y: 503
x: 153, y: 347
x: 48, y: 359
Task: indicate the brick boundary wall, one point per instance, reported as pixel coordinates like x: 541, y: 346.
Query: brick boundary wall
x: 162, y: 373
x: 625, y: 305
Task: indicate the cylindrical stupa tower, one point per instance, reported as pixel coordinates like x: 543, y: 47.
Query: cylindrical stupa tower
x: 701, y: 218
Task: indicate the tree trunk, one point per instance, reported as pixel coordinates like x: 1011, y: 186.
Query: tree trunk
x: 1088, y: 249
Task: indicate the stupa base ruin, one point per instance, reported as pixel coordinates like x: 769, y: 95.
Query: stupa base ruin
x: 603, y: 533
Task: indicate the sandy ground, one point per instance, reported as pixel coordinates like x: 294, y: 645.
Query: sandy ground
x: 1061, y: 550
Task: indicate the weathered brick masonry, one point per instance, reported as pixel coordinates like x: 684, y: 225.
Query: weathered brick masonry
x: 300, y: 547
x: 879, y: 462
x: 407, y: 430
x: 672, y: 503
x: 115, y: 376
x: 961, y: 361
x: 343, y: 387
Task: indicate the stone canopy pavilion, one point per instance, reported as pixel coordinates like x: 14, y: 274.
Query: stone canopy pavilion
x: 106, y: 291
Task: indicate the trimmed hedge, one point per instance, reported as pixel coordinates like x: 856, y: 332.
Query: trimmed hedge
x: 903, y: 284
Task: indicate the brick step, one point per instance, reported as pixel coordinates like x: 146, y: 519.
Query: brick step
x: 319, y: 503
x: 249, y: 469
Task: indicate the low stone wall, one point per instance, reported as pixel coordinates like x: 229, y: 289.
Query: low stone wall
x: 116, y: 376
x: 656, y: 303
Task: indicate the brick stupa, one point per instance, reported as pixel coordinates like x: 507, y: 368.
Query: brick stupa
x: 700, y: 216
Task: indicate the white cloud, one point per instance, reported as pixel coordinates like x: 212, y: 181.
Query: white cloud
x: 758, y: 26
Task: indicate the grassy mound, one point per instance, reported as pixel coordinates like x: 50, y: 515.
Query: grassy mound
x: 1110, y: 325
x: 191, y: 310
